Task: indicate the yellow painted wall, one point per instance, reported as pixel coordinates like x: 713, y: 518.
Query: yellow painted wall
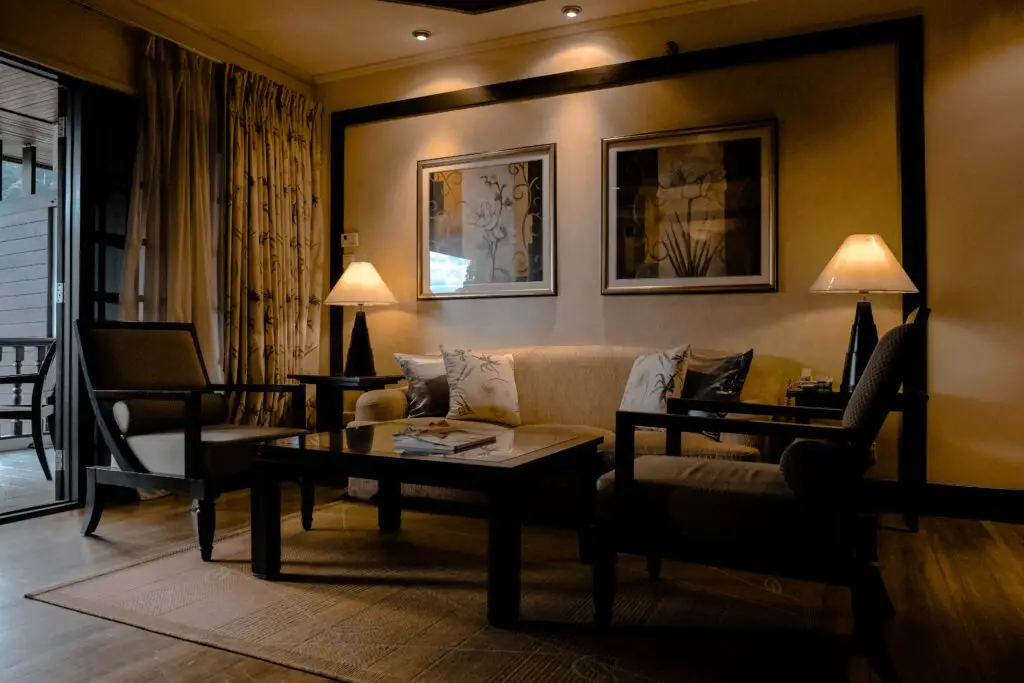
x: 975, y: 168
x: 69, y: 38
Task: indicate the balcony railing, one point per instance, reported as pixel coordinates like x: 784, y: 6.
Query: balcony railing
x: 21, y: 356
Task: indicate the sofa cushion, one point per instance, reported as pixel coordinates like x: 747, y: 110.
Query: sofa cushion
x: 714, y: 377
x: 137, y: 416
x: 653, y: 379
x: 717, y: 501
x: 482, y: 386
x: 428, y: 384
x: 227, y: 449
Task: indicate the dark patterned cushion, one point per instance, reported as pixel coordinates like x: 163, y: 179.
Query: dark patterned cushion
x: 428, y: 384
x: 715, y: 378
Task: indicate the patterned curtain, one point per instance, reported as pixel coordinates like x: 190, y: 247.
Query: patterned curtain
x: 273, y: 271
x: 170, y: 265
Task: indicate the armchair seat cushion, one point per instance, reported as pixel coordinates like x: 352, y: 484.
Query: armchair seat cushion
x: 712, y: 501
x: 228, y: 449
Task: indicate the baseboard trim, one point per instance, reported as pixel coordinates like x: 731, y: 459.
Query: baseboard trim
x: 949, y: 500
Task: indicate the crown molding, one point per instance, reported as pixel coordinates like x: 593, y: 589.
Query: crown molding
x: 209, y: 42
x: 577, y: 28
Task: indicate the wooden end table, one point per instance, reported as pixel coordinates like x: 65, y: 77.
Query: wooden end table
x: 330, y: 392
x: 504, y: 471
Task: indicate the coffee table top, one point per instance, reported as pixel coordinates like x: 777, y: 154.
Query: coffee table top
x: 512, y: 448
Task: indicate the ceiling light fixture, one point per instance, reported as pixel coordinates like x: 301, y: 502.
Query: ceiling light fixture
x: 421, y: 34
x: 572, y: 11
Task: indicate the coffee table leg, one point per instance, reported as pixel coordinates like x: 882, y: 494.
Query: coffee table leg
x: 266, y: 523
x: 308, y: 497
x: 589, y: 469
x: 504, y: 556
x: 389, y: 506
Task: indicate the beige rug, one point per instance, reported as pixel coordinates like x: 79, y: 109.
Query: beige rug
x: 359, y: 607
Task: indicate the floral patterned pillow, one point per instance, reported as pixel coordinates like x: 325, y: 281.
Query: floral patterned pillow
x: 482, y: 387
x: 654, y: 379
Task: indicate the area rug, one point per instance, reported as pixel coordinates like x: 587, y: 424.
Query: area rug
x: 361, y: 607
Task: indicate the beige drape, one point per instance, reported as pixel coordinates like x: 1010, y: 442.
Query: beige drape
x: 171, y: 245
x: 274, y: 236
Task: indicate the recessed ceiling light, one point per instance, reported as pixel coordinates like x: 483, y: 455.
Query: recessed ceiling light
x: 421, y: 34
x: 572, y: 11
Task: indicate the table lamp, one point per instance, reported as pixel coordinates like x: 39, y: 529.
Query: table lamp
x: 360, y: 285
x: 863, y: 265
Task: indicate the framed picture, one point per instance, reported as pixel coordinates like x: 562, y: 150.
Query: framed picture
x: 487, y: 225
x: 691, y: 211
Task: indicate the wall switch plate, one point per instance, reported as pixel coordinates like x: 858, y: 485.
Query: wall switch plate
x: 349, y: 240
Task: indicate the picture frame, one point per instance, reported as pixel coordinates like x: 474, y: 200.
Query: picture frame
x: 691, y: 211
x: 486, y: 225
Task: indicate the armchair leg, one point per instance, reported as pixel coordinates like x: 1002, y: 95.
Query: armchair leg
x: 93, y: 503
x: 869, y: 612
x: 604, y: 558
x: 37, y: 441
x: 206, y: 523
x: 653, y: 567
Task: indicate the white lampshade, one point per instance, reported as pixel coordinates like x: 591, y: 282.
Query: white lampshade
x: 360, y: 285
x: 863, y: 265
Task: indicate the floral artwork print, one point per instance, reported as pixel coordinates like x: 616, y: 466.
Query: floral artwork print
x: 486, y: 225
x: 482, y: 387
x: 691, y: 211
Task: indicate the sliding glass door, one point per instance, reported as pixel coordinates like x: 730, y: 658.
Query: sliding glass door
x: 32, y: 466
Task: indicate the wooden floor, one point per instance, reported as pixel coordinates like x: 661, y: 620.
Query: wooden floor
x: 958, y: 587
x: 22, y: 484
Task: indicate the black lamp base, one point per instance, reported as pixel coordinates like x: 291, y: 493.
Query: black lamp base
x: 863, y: 340
x: 359, y: 361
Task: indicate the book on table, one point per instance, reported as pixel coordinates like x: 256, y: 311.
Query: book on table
x: 439, y: 438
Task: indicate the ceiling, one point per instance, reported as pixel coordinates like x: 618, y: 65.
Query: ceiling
x: 322, y: 40
x: 28, y: 113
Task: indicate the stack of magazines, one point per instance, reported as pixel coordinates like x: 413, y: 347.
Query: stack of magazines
x: 440, y: 438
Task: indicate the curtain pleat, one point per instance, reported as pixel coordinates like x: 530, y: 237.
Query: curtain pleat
x: 170, y: 266
x: 274, y: 241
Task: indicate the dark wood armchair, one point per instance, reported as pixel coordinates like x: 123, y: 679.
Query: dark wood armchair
x: 33, y: 412
x: 164, y: 422
x: 801, y: 519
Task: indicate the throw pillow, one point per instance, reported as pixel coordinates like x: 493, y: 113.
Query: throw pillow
x: 482, y: 387
x: 428, y: 384
x: 654, y: 379
x: 715, y: 378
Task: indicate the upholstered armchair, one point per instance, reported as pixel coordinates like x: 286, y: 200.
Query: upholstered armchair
x: 802, y: 518
x: 165, y: 424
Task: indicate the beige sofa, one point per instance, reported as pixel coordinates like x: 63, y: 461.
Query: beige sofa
x: 579, y: 389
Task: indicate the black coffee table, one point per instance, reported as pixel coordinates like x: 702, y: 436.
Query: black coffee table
x: 504, y: 471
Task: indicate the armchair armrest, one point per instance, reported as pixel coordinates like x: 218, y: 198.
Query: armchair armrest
x: 681, y: 406
x: 146, y: 394
x: 694, y: 424
x: 382, y: 405
x: 267, y: 388
x: 297, y: 418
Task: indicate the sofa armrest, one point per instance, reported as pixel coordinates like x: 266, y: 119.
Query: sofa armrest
x: 382, y: 405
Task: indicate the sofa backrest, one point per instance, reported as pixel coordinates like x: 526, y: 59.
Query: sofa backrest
x: 583, y: 385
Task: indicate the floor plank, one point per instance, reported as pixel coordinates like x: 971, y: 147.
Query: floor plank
x: 958, y: 587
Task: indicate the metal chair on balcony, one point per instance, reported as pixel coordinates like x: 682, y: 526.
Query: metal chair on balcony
x: 33, y: 412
